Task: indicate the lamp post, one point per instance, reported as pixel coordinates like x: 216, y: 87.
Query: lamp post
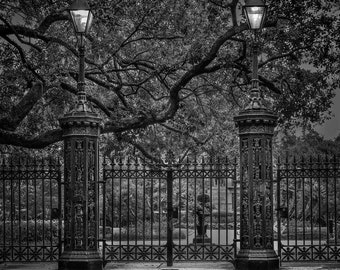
x: 81, y: 15
x: 255, y: 11
x: 256, y: 125
x: 81, y: 128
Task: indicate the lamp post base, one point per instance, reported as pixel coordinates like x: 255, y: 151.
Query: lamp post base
x: 257, y: 260
x: 84, y: 260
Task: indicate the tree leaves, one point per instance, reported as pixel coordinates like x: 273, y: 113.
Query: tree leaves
x: 162, y: 71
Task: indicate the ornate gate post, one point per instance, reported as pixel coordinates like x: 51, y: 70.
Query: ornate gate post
x: 80, y: 131
x: 256, y: 126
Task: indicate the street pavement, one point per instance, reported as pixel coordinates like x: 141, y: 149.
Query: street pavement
x: 163, y: 266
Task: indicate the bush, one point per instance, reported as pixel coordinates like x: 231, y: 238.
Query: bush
x: 132, y: 234
x: 301, y: 233
x: 223, y: 216
x: 17, y: 232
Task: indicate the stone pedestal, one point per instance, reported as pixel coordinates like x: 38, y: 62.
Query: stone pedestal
x: 257, y: 260
x: 200, y: 240
x: 201, y: 237
x: 81, y: 131
x: 201, y: 228
x: 256, y: 126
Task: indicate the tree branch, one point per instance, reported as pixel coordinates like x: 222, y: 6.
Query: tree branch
x: 37, y: 142
x: 284, y: 55
x: 197, y: 70
x: 50, y: 19
x: 23, y: 58
x: 17, y: 113
x: 196, y: 140
x: 144, y: 152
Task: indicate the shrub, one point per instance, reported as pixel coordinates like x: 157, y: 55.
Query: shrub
x: 17, y: 232
x: 142, y: 233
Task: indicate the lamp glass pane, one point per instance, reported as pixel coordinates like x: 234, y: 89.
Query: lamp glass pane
x: 255, y: 16
x: 89, y: 22
x: 79, y: 18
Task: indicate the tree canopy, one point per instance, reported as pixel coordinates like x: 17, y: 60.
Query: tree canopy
x: 163, y: 74
x: 310, y: 144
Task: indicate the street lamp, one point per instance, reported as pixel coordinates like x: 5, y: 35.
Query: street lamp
x: 82, y: 16
x: 256, y: 125
x: 81, y: 130
x: 255, y: 11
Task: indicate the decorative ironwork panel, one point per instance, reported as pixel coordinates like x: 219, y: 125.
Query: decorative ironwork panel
x: 92, y: 196
x: 30, y: 203
x: 256, y: 187
x: 80, y: 193
x: 245, y: 234
x: 136, y: 223
x: 309, y: 210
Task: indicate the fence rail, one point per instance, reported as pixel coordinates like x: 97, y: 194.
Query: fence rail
x: 30, y: 225
x: 169, y: 213
x: 308, y: 194
x: 154, y: 212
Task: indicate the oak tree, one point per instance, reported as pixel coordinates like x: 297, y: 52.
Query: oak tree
x: 163, y: 74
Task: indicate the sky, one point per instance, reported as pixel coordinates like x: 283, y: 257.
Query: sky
x: 331, y: 128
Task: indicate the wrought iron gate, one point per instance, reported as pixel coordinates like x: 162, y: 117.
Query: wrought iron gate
x: 30, y: 203
x: 157, y: 212
x: 308, y: 195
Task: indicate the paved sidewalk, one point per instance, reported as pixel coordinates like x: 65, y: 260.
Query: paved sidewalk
x: 176, y: 266
x: 212, y: 266
x: 162, y: 266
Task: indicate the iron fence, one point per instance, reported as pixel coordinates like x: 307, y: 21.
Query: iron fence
x: 308, y: 195
x: 179, y: 212
x: 30, y: 221
x: 158, y: 212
